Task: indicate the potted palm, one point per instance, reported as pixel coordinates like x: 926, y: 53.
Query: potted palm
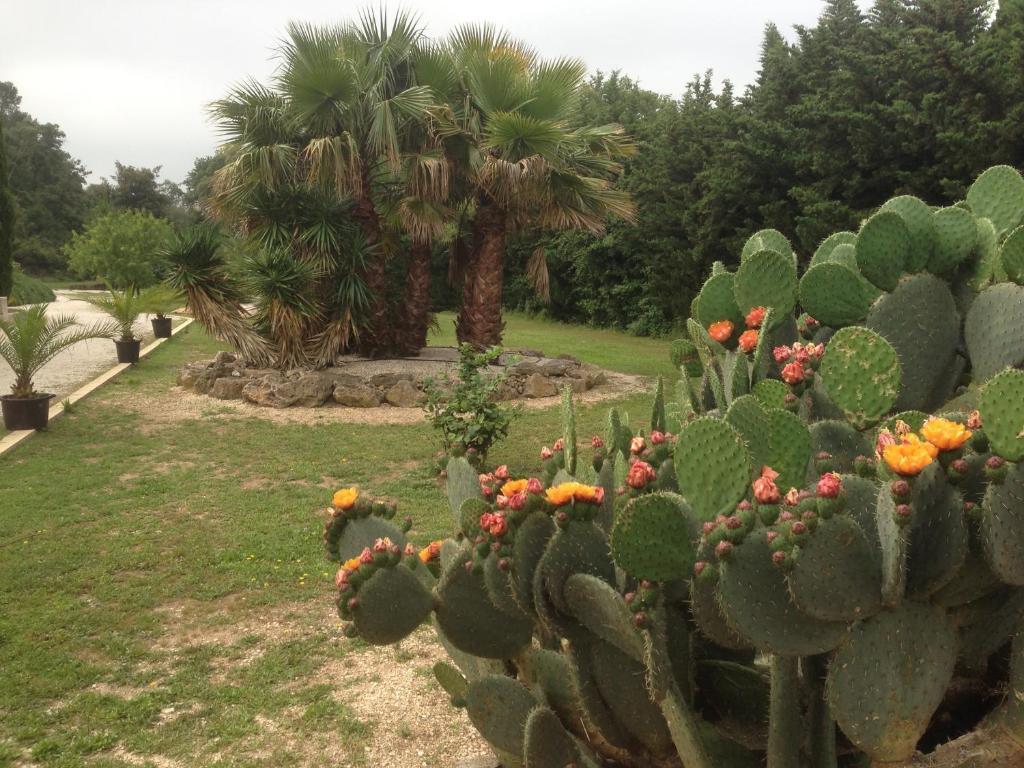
x: 124, y: 307
x: 160, y: 300
x: 28, y: 341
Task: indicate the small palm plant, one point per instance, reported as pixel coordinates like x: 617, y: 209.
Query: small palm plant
x: 124, y: 307
x: 160, y: 300
x: 30, y: 340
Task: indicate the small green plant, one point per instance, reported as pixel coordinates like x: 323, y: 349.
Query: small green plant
x: 159, y: 300
x: 31, y: 339
x: 465, y: 410
x: 124, y: 307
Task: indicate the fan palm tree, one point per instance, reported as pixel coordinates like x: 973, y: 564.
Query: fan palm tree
x: 507, y: 123
x: 31, y: 339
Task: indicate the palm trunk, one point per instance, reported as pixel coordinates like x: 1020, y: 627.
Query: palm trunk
x: 479, y: 322
x: 417, y: 300
x: 376, y: 338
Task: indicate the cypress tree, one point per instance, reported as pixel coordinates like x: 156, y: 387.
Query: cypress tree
x: 6, y: 225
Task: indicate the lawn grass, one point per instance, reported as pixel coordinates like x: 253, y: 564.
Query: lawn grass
x: 163, y: 593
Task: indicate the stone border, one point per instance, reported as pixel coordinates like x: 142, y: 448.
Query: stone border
x: 12, y: 439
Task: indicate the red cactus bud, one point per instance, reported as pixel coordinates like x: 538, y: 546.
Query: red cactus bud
x: 709, y: 527
x: 629, y: 597
x: 723, y: 549
x: 733, y: 523
x: 771, y: 536
x: 353, y: 603
x: 765, y: 490
x: 900, y: 489
x: 904, y: 510
x: 596, y: 442
x: 781, y: 354
x: 779, y: 557
x: 755, y: 317
x: 830, y: 486
x: 995, y: 462
x: 799, y: 528
x: 640, y: 619
x: 969, y: 506
x: 504, y: 564
x: 793, y: 373
x: 562, y: 516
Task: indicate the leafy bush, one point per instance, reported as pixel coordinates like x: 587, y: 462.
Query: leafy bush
x: 29, y: 290
x: 465, y: 409
x: 122, y: 247
x: 813, y: 557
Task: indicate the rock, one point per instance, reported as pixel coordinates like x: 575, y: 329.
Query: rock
x: 343, y: 379
x: 188, y: 375
x: 404, y: 395
x: 525, y: 352
x: 389, y: 380
x: 578, y: 385
x: 555, y: 367
x: 593, y: 375
x: 267, y: 391
x: 480, y: 762
x: 310, y: 389
x: 570, y: 358
x: 525, y: 368
x: 229, y: 387
x: 356, y: 395
x: 204, y: 381
x: 224, y: 358
x: 538, y: 385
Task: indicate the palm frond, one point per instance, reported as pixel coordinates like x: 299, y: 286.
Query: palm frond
x: 537, y: 274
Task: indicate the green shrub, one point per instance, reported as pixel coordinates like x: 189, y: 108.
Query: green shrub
x: 29, y: 290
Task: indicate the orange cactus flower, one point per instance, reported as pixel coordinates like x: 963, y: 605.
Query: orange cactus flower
x: 944, y: 434
x: 351, y: 564
x: 512, y: 487
x: 345, y: 498
x: 748, y: 341
x: 562, y: 494
x: 721, y: 331
x: 755, y: 317
x: 430, y: 552
x: 909, y: 456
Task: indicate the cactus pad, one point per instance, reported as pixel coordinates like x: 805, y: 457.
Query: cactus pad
x: 530, y: 542
x: 841, y: 441
x: 500, y: 587
x: 1002, y: 413
x: 653, y: 537
x: 835, y: 576
x: 362, y: 532
x: 937, y: 536
x: 834, y: 295
x: 707, y: 611
x: 988, y: 266
x: 463, y: 482
x: 546, y: 743
x: 824, y: 251
x: 789, y: 448
x: 771, y: 392
x: 1011, y: 256
x: 452, y: 681
x: 883, y: 248
x: 998, y: 195
x: 918, y: 217
x: 469, y: 516
x: 890, y: 676
x: 712, y: 467
x: 994, y: 331
x: 767, y: 279
x: 861, y: 375
x: 601, y: 609
x: 750, y: 418
x: 391, y: 605
x: 499, y: 707
x: 766, y: 240
x: 739, y: 695
x: 756, y: 602
x: 622, y: 683
x: 955, y: 237
x: 1002, y: 527
x: 471, y: 622
x: 683, y: 354
x: 579, y: 547
x: 716, y: 301
x: 920, y: 321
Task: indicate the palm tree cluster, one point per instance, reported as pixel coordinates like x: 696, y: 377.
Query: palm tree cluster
x: 372, y: 147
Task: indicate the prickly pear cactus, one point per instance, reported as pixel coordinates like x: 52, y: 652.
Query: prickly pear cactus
x: 811, y: 555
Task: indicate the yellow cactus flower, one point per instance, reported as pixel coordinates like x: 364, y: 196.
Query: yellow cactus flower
x: 562, y: 494
x: 430, y: 552
x: 351, y: 564
x: 345, y: 498
x: 512, y: 487
x: 909, y: 456
x: 944, y: 434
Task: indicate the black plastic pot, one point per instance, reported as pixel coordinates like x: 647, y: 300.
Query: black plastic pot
x: 161, y: 327
x: 127, y: 351
x: 26, y: 412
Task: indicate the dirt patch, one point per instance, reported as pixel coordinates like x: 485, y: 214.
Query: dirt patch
x: 414, y: 723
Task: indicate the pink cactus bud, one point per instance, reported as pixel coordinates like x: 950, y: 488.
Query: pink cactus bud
x: 793, y: 373
x: 960, y: 466
x: 995, y: 462
x: 830, y: 486
x: 789, y: 399
x: 781, y: 354
x: 657, y: 438
x: 709, y: 528
x: 904, y: 510
x: 341, y: 577
x: 517, y: 501
x: 900, y: 489
x: 629, y: 597
x: 785, y: 516
x: 599, y: 495
x: 637, y: 445
x: 546, y: 453
x: 974, y: 420
x: 723, y: 549
x: 799, y: 528
x: 366, y: 556
x: 733, y: 523
x: 504, y: 564
x: 771, y: 536
x: 382, y: 545
x: 501, y: 501
x: 501, y: 472
x: 410, y: 550
x: 534, y: 486
x: 792, y: 496
x: 884, y: 440
x: 562, y: 516
x: 779, y: 557
x: 744, y: 506
x: 353, y: 603
x: 486, y: 490
x: 823, y: 456
x: 640, y: 474
x: 640, y: 619
x: 559, y: 445
x: 596, y: 442
x: 699, y: 567
x: 765, y: 490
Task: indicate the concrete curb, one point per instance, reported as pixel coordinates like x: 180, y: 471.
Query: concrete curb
x: 13, y: 439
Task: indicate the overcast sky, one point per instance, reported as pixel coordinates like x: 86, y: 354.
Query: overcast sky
x: 128, y: 80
